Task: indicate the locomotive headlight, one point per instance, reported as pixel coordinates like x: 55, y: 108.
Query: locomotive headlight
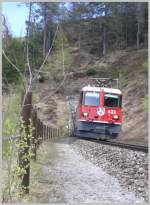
x: 85, y: 114
x: 116, y: 117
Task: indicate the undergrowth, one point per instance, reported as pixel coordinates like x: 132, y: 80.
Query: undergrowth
x: 145, y: 103
x: 60, y: 55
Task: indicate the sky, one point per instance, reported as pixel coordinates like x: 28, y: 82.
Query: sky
x: 16, y: 17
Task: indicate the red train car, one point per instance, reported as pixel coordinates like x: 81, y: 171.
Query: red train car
x: 99, y: 113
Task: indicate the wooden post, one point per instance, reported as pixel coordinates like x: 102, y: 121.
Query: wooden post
x: 52, y: 132
x: 38, y: 133
x: 34, y: 132
x: 55, y: 132
x: 26, y: 116
x: 49, y: 132
x: 61, y: 132
x: 41, y: 130
x: 44, y: 132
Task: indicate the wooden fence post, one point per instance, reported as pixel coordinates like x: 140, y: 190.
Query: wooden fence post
x: 26, y: 116
x: 55, y: 132
x: 34, y: 132
x: 44, y: 131
x: 40, y: 131
x: 58, y: 132
x: 50, y: 132
x: 61, y: 131
x: 47, y: 132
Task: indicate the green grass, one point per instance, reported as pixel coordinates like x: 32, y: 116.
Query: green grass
x: 55, y: 63
x: 145, y: 66
x: 61, y: 53
x: 91, y: 71
x: 145, y: 103
x: 11, y: 106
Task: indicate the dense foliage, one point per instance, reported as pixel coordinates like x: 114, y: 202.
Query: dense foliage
x: 97, y: 27
x: 15, y: 52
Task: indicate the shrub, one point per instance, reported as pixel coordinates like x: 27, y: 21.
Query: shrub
x: 91, y: 71
x: 145, y: 103
x: 41, y: 78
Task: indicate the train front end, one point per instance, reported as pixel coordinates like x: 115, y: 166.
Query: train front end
x: 99, y: 113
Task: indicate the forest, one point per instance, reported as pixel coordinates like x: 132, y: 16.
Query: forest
x: 98, y: 28
x: 43, y: 72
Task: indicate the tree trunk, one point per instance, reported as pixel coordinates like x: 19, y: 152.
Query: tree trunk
x: 25, y: 163
x: 44, y: 43
x: 104, y: 41
x: 126, y: 37
x: 138, y: 37
x: 45, y: 29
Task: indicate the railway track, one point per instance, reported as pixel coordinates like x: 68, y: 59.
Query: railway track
x: 141, y: 148
x: 72, y: 103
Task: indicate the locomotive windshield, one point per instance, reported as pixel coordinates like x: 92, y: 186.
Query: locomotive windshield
x: 112, y: 100
x: 91, y: 98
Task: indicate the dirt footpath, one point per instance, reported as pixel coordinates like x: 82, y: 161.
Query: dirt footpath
x: 66, y: 177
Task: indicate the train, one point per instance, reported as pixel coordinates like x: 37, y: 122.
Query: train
x: 99, y: 112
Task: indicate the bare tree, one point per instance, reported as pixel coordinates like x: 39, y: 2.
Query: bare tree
x: 104, y: 30
x: 140, y: 20
x: 5, y: 32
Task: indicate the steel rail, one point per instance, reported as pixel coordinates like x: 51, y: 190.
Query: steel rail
x: 135, y: 147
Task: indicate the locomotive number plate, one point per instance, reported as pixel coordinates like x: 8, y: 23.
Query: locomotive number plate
x: 112, y: 112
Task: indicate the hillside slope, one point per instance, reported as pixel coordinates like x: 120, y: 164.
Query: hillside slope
x: 133, y: 69
x: 131, y: 65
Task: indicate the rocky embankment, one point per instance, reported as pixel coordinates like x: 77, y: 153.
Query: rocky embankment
x: 129, y: 167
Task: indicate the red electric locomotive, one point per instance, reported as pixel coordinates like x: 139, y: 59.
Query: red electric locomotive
x: 99, y: 113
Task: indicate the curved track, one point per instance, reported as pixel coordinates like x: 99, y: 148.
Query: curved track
x: 72, y: 103
x: 141, y: 148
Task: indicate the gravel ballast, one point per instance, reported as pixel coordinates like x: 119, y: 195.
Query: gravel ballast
x: 128, y: 166
x: 67, y: 177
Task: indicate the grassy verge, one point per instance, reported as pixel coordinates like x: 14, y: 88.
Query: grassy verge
x: 11, y: 108
x: 38, y: 186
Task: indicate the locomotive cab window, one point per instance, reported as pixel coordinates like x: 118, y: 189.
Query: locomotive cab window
x: 91, y: 98
x: 112, y: 100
